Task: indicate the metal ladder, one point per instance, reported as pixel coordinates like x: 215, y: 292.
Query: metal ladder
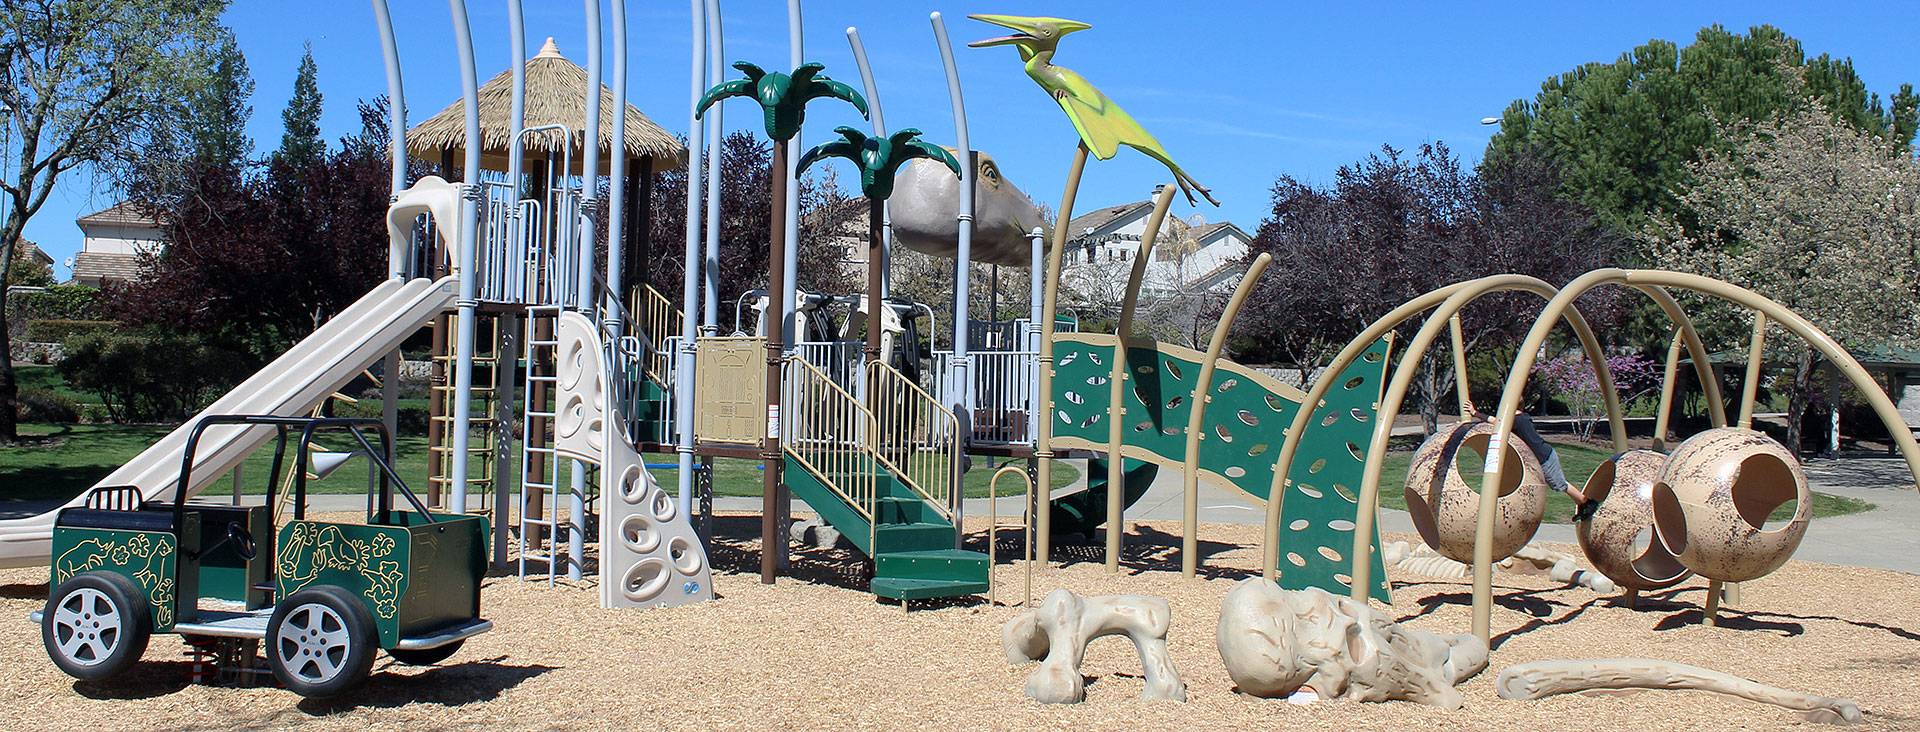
x: 486, y: 389
x: 548, y: 481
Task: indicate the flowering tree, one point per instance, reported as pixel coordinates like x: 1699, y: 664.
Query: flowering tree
x: 1819, y: 216
x: 1570, y: 378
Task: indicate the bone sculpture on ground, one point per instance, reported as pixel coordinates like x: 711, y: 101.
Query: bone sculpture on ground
x: 1423, y: 560
x: 1547, y: 678
x: 1275, y: 641
x: 1060, y: 629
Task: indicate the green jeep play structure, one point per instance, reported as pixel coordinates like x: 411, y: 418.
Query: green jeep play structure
x: 404, y: 581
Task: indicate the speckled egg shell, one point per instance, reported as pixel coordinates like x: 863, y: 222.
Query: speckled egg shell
x: 1446, y: 507
x: 1711, y: 503
x: 1624, y: 487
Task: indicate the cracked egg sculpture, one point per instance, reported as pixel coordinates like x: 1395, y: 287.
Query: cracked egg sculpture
x: 1624, y: 487
x: 1446, y: 506
x: 1711, y: 503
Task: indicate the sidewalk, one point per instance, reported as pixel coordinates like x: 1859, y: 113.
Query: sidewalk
x: 1887, y: 537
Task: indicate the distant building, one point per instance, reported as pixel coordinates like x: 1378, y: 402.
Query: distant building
x: 115, y: 239
x: 1192, y: 258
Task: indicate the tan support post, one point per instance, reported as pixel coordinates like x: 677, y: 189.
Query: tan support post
x: 1202, y: 396
x: 1118, y: 378
x: 1667, y: 385
x: 1050, y: 301
x: 1459, y: 367
x: 1750, y: 388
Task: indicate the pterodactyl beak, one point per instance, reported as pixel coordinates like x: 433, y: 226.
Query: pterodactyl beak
x: 1023, y: 26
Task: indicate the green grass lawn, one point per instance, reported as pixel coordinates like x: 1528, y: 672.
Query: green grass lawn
x: 1579, y: 461
x: 45, y: 377
x: 736, y: 477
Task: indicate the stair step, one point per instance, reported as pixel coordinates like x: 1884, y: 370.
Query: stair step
x: 956, y: 565
x: 896, y: 510
x: 892, y: 538
x: 920, y: 589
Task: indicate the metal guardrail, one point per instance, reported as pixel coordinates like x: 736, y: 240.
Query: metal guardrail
x: 915, y: 437
x: 827, y: 436
x: 1003, y: 385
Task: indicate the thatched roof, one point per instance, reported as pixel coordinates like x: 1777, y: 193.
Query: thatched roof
x: 556, y: 94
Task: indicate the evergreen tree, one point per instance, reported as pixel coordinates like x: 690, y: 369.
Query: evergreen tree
x: 301, y: 145
x: 1622, y: 133
x: 219, y: 112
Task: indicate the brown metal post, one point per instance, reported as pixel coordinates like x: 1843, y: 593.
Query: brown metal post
x: 771, y: 489
x: 875, y: 225
x: 640, y: 223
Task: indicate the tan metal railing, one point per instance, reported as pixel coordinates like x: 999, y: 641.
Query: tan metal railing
x: 827, y: 431
x: 915, y: 437
x: 655, y: 320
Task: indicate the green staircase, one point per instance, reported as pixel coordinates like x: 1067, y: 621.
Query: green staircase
x: 911, y: 543
x: 1083, y: 511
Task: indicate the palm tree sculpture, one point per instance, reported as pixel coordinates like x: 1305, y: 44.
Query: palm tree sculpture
x: 879, y: 161
x: 783, y: 99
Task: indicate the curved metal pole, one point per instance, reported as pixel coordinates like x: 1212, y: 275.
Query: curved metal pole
x: 1202, y: 386
x: 396, y: 118
x: 590, y: 164
x: 716, y: 133
x: 961, y: 399
x: 1117, y: 380
x: 790, y: 237
x: 1043, y: 437
x: 1276, y: 495
x: 1460, y: 391
x: 1756, y: 356
x: 517, y: 112
x: 397, y: 152
x: 463, y: 262
x: 690, y: 280
x: 1667, y: 379
x: 1696, y: 350
x: 1837, y: 355
x: 617, y: 175
x: 1447, y: 316
x: 879, y: 133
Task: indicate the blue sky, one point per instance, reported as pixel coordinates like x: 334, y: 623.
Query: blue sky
x: 1239, y: 92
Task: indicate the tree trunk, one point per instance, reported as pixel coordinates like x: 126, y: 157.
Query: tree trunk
x: 1801, y: 396
x: 9, y: 389
x: 1429, y: 395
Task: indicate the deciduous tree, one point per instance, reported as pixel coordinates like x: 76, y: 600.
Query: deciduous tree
x: 87, y: 84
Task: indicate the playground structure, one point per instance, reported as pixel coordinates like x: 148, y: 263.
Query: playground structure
x: 613, y: 369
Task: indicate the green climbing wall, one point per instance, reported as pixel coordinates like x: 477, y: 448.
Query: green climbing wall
x: 1242, y: 434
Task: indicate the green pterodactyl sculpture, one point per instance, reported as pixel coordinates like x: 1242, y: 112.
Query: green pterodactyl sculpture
x: 1103, y: 125
x: 878, y: 159
x: 782, y: 98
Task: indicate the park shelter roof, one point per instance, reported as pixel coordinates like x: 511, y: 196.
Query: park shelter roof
x: 556, y: 94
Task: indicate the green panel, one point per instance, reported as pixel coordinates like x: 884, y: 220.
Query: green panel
x: 1242, y: 432
x: 368, y: 561
x: 149, y: 558
x: 448, y: 559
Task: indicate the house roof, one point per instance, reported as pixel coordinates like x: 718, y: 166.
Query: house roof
x: 32, y: 250
x: 93, y: 267
x: 124, y: 213
x: 1105, y: 217
x: 556, y: 94
x: 1205, y: 231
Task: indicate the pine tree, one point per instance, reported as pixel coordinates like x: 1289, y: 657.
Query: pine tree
x: 219, y: 112
x: 301, y: 144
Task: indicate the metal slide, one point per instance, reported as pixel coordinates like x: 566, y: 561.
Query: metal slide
x: 292, y: 385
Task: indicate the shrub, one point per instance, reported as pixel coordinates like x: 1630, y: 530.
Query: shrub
x: 57, y: 330
x: 43, y: 405
x: 149, y: 374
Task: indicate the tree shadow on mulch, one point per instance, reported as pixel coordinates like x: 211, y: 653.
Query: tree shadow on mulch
x: 451, y: 684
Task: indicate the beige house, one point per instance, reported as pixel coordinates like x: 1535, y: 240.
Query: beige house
x: 1191, y: 256
x: 115, y: 239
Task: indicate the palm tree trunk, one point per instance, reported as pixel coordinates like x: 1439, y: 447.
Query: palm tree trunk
x: 771, y: 489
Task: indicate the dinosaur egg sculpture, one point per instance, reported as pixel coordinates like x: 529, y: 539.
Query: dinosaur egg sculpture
x: 1624, y: 487
x: 1711, y: 503
x: 1446, y: 505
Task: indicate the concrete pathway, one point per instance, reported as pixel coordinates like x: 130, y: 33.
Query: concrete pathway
x: 1887, y: 537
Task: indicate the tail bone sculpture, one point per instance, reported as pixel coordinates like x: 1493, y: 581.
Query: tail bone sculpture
x: 1060, y: 629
